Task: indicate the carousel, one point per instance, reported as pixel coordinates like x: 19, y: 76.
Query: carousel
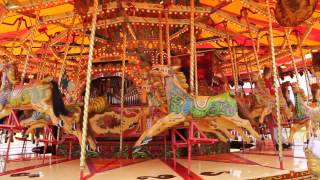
x: 160, y: 89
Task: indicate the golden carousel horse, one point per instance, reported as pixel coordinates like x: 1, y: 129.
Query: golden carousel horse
x: 70, y: 124
x: 44, y: 96
x: 41, y: 96
x: 181, y: 105
x: 264, y: 102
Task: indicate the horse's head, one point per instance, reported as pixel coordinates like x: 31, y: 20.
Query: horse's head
x: 163, y: 70
x: 255, y: 77
x: 298, y: 91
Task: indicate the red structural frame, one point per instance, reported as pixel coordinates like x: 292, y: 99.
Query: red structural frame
x: 13, y: 126
x: 48, y: 138
x: 192, y: 139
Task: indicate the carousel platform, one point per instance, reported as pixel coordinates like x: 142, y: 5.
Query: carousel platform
x: 251, y: 164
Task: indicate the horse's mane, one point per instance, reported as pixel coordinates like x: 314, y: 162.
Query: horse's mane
x: 299, y: 91
x: 157, y: 81
x: 182, y: 79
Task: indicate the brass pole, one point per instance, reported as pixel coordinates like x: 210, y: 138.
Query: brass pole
x: 161, y: 38
x: 88, y: 82
x: 276, y: 85
x: 192, y: 47
x: 124, y: 57
x: 168, y: 37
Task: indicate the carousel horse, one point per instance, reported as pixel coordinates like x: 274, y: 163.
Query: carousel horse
x: 41, y: 96
x: 34, y: 121
x: 291, y: 13
x: 303, y: 112
x: 44, y: 96
x: 157, y: 98
x: 70, y: 124
x: 182, y: 105
x: 312, y: 112
x: 264, y: 102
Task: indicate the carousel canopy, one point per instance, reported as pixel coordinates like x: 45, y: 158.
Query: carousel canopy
x: 55, y: 32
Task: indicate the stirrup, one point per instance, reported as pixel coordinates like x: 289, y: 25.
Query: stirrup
x: 60, y: 123
x: 74, y: 127
x: 136, y: 149
x: 146, y: 140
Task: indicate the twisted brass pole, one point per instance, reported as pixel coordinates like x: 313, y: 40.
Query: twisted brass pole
x: 88, y: 82
x: 161, y: 38
x: 192, y: 47
x: 124, y: 57
x: 168, y: 37
x: 276, y: 85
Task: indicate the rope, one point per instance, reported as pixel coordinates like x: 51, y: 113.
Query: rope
x: 168, y: 37
x: 80, y: 65
x: 67, y: 45
x: 232, y: 63
x: 87, y: 93
x: 43, y: 63
x: 304, y: 66
x: 33, y: 33
x: 292, y: 56
x: 192, y: 48
x: 161, y: 39
x: 255, y: 52
x: 124, y: 57
x: 196, y: 72
x: 248, y: 70
x: 235, y: 67
x: 276, y: 85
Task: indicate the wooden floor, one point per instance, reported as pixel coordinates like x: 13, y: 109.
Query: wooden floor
x: 239, y: 165
x: 251, y: 164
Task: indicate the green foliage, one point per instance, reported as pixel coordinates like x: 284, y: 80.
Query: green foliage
x: 62, y: 150
x: 124, y: 154
x: 76, y: 150
x: 169, y: 154
x: 144, y: 153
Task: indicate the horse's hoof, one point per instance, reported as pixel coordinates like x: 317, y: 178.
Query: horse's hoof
x: 74, y: 127
x: 60, y: 123
x: 146, y: 140
x: 136, y: 149
x: 261, y: 126
x: 98, y: 149
x: 88, y: 148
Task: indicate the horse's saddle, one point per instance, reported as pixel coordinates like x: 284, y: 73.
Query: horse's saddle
x: 291, y: 13
x: 201, y: 101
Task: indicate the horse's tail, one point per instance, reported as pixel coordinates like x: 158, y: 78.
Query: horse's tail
x: 98, y: 105
x: 57, y: 101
